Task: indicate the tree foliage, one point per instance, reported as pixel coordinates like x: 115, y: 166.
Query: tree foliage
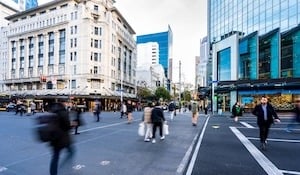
x: 144, y: 93
x: 162, y: 93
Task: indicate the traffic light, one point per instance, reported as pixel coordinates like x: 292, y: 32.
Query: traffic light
x: 158, y: 83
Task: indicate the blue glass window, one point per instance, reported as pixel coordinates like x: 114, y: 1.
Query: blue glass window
x: 223, y: 62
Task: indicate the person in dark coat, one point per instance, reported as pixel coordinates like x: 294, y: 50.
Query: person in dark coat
x: 77, y: 121
x: 237, y: 111
x: 62, y: 138
x: 264, y: 113
x: 158, y: 119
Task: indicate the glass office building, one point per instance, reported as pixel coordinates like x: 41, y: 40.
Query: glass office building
x: 255, y: 51
x: 28, y: 3
x: 165, y: 42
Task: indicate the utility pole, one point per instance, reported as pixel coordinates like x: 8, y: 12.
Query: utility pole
x: 179, y: 85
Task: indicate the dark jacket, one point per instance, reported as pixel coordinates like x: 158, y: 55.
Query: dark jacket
x: 157, y: 115
x: 171, y: 107
x: 236, y: 111
x: 62, y: 136
x: 259, y: 113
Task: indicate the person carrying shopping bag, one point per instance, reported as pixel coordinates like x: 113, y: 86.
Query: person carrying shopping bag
x: 147, y: 122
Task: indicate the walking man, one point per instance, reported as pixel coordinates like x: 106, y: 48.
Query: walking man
x: 158, y: 119
x: 264, y: 113
x: 62, y: 138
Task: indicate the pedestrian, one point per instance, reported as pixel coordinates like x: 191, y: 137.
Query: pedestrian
x: 194, y: 109
x: 77, y: 121
x: 205, y: 110
x: 129, y: 111
x: 97, y: 110
x: 264, y: 113
x: 237, y: 111
x: 171, y: 110
x: 33, y: 107
x: 296, y: 118
x: 147, y: 122
x: 158, y: 119
x: 123, y: 109
x: 62, y: 138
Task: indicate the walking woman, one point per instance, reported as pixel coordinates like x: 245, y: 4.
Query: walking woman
x: 237, y: 111
x: 147, y: 122
x: 129, y: 111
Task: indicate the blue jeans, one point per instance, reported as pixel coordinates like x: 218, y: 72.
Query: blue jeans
x: 55, y: 158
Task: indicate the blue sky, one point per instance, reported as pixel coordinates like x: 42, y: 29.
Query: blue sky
x: 187, y: 19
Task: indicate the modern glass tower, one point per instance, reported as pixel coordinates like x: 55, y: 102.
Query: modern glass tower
x: 28, y: 3
x: 165, y: 42
x: 254, y: 51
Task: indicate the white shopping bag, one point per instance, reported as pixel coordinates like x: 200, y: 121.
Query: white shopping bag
x: 141, y: 130
x: 166, y: 129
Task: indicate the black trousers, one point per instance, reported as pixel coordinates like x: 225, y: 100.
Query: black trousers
x: 264, y: 131
x: 155, y: 125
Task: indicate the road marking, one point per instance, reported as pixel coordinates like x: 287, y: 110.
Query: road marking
x: 78, y: 167
x: 290, y: 172
x: 247, y: 124
x: 106, y: 126
x: 193, y: 159
x: 2, y: 169
x: 276, y: 140
x: 263, y: 161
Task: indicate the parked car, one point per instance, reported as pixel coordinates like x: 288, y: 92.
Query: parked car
x: 11, y: 107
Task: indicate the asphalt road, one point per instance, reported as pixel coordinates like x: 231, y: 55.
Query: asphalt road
x: 218, y: 145
x: 229, y: 147
x: 108, y: 147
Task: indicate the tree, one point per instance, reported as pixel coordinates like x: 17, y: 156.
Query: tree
x: 162, y: 92
x: 144, y: 93
x: 186, y: 95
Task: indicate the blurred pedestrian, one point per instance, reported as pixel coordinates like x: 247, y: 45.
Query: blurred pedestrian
x: 33, y: 107
x: 62, y: 138
x: 171, y: 110
x: 158, y: 119
x: 147, y: 122
x: 194, y: 109
x: 205, y: 110
x: 264, y: 113
x: 97, y: 110
x: 296, y: 118
x: 123, y: 109
x: 237, y: 111
x: 129, y: 111
x: 78, y: 121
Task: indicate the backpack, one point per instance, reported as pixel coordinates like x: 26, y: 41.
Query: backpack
x: 194, y: 108
x: 47, y: 127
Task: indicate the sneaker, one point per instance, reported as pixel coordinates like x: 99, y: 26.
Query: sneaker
x: 147, y: 140
x: 162, y: 138
x: 263, y: 146
x: 153, y: 141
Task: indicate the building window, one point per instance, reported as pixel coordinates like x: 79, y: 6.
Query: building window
x: 62, y: 46
x: 51, y: 48
x: 223, y: 65
x: 95, y: 70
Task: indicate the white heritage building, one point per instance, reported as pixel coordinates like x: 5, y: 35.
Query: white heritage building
x: 83, y: 49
